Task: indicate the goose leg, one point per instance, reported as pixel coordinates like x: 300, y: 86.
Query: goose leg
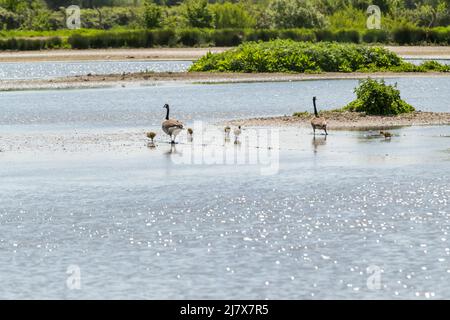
x: 326, y: 133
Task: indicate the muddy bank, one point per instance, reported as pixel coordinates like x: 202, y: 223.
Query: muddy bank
x: 350, y: 120
x: 153, y: 78
x: 107, y: 54
x: 436, y: 52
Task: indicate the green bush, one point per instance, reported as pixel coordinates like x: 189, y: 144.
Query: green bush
x: 228, y: 37
x: 291, y: 56
x: 262, y: 35
x: 375, y: 36
x: 193, y: 37
x: 78, y: 41
x: 30, y: 43
x: 377, y: 98
x: 350, y: 36
x: 298, y: 35
x: 409, y: 35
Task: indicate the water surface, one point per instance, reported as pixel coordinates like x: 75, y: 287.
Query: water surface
x: 51, y: 70
x: 78, y: 186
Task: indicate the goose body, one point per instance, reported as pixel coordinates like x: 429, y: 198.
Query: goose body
x: 171, y: 127
x: 318, y: 122
x: 237, y: 132
x: 387, y: 135
x: 227, y: 131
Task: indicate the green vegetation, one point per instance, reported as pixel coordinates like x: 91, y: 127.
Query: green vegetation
x: 291, y: 56
x: 220, y: 22
x: 377, y: 98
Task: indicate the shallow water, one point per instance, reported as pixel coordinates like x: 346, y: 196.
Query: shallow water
x: 420, y: 61
x: 80, y: 187
x: 51, y: 70
x: 140, y: 107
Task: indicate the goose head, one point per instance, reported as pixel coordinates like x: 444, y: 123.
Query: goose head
x: 166, y: 106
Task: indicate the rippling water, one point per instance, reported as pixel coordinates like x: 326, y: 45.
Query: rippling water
x: 49, y: 70
x: 80, y: 187
x: 142, y: 106
x: 419, y: 61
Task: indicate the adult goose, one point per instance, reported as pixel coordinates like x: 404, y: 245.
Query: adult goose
x: 171, y: 127
x: 318, y: 122
x: 237, y: 132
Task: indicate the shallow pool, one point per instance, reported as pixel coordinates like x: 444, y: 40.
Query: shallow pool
x: 79, y: 187
x: 51, y: 70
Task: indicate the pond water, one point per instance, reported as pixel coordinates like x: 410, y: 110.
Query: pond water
x: 79, y: 187
x: 420, y: 61
x: 141, y: 107
x: 50, y: 70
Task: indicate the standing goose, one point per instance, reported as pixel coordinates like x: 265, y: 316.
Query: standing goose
x: 318, y: 122
x: 237, y: 133
x: 227, y: 131
x: 171, y: 127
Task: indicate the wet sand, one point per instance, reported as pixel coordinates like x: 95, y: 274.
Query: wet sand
x: 154, y: 78
x: 350, y: 120
x: 436, y: 52
x: 107, y: 54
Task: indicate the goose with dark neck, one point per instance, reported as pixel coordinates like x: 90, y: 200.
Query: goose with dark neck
x: 318, y: 122
x: 171, y: 127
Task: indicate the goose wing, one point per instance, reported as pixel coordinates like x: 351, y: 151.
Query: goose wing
x: 319, y: 122
x: 169, y: 125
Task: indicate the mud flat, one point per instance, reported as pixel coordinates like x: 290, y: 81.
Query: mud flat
x: 351, y: 120
x: 152, y: 78
x: 107, y: 54
x: 424, y: 52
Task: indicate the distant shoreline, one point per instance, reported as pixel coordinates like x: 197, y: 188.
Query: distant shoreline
x: 350, y: 120
x: 161, y: 78
x: 420, y: 52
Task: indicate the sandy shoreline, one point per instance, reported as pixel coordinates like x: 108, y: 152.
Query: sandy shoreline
x: 350, y: 120
x: 145, y: 79
x: 424, y: 52
x: 107, y: 54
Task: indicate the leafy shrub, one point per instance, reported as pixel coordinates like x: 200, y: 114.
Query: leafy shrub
x: 192, y: 37
x: 291, y: 56
x: 298, y: 35
x: 377, y: 98
x: 351, y: 36
x: 295, y: 14
x: 227, y: 37
x: 198, y: 13
x: 8, y: 20
x: 409, y: 35
x: 152, y: 14
x: 262, y: 34
x: 375, y: 36
x: 231, y: 15
x: 30, y: 43
x: 434, y: 66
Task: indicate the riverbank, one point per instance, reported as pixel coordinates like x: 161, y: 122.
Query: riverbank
x: 337, y: 120
x: 419, y: 52
x: 107, y: 54
x: 155, y: 78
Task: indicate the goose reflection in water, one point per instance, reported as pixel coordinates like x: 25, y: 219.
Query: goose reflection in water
x: 316, y: 142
